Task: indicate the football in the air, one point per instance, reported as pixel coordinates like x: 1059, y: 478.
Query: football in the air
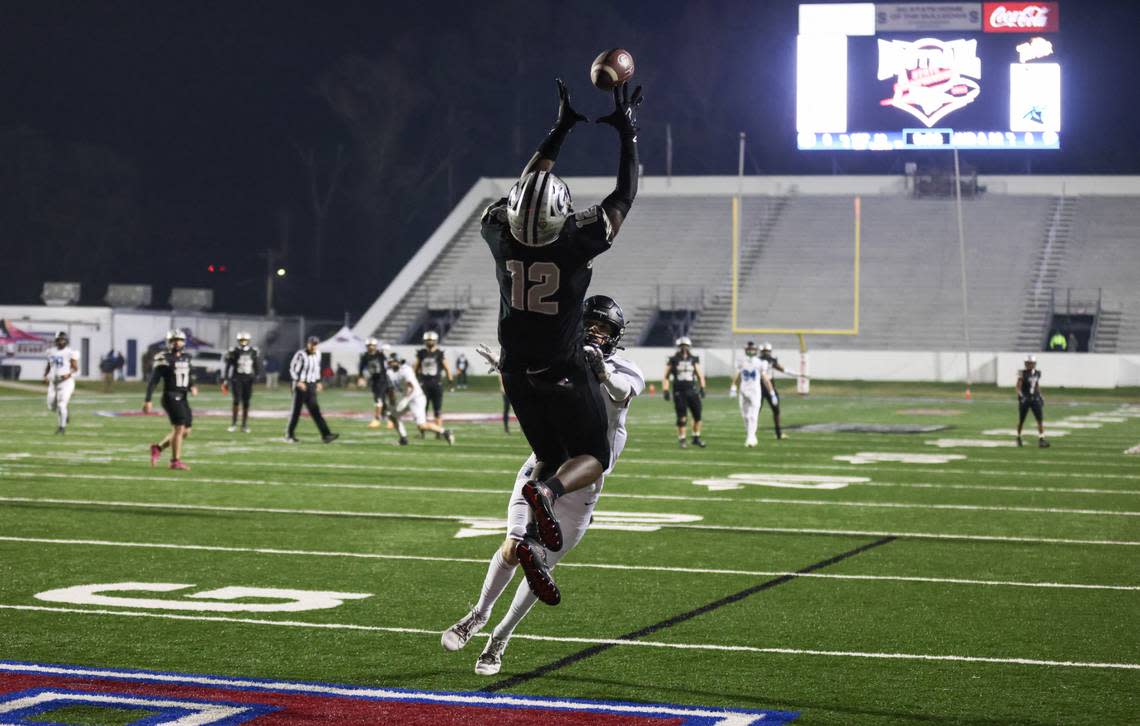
x: 611, y: 68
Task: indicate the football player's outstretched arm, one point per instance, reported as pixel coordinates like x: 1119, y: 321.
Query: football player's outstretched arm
x: 155, y: 377
x: 1017, y: 387
x: 547, y: 154
x: 665, y: 380
x: 617, y: 204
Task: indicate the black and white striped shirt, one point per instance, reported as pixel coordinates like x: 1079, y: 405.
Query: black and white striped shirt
x: 305, y: 366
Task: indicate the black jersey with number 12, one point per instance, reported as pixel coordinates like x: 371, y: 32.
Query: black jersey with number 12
x: 541, y: 289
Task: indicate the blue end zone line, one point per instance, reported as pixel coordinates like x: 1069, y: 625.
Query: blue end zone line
x: 696, y: 716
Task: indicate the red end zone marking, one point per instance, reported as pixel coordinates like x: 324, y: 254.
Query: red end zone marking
x: 419, y: 708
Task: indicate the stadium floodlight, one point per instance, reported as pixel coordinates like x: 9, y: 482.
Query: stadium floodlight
x: 128, y: 296
x: 191, y: 298
x: 60, y: 293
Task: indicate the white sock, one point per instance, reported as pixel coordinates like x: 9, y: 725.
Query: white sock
x: 400, y: 427
x: 61, y: 409
x: 499, y: 575
x: 520, y: 606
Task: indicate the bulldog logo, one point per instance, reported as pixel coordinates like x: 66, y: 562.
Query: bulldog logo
x: 932, y: 77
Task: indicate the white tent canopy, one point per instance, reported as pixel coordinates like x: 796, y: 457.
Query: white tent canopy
x: 344, y: 348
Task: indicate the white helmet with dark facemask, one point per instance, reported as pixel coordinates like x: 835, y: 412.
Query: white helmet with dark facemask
x: 537, y: 207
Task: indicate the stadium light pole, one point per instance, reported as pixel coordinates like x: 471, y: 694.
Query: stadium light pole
x: 962, y: 262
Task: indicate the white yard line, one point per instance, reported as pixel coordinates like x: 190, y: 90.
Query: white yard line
x: 581, y: 565
x: 593, y: 641
x: 461, y: 518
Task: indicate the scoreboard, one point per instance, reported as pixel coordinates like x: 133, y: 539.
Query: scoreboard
x: 890, y: 76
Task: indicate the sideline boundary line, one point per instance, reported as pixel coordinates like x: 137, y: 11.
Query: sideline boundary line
x: 593, y: 641
x: 581, y: 565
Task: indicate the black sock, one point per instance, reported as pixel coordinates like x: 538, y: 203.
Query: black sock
x: 555, y: 486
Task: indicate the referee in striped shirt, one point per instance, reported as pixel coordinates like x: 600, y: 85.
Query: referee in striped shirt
x: 305, y: 370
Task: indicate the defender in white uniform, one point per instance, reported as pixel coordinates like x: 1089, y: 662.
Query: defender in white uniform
x: 412, y: 398
x: 621, y: 380
x: 752, y: 377
x: 62, y: 368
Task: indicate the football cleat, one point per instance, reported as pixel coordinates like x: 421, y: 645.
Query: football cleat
x: 155, y: 454
x: 457, y: 635
x: 1020, y: 442
x: 533, y: 562
x: 541, y: 501
x: 245, y: 429
x: 232, y: 428
x: 403, y: 441
x: 329, y: 438
x: 682, y: 443
x: 61, y: 430
x: 491, y: 659
x: 1042, y: 443
x: 179, y: 465
x: 374, y: 423
x: 291, y: 440
x: 698, y: 443
x: 447, y: 434
x: 751, y: 442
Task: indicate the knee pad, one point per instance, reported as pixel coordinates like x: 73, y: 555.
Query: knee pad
x: 682, y: 420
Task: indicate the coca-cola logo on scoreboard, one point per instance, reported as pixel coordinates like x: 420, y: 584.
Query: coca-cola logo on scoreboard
x: 1021, y: 17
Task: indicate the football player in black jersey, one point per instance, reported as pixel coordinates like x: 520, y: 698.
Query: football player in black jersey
x: 372, y: 371
x: 172, y: 367
x: 1029, y: 398
x: 243, y: 363
x: 430, y: 361
x: 543, y: 251
x: 683, y: 371
x: 771, y: 395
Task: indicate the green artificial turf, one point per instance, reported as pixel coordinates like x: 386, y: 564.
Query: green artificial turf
x: 973, y: 574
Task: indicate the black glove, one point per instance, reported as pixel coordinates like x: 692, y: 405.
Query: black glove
x: 702, y: 393
x: 623, y: 118
x: 596, y: 361
x: 567, y: 116
x: 667, y: 396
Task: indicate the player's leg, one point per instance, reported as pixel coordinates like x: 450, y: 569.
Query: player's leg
x: 390, y: 412
x: 774, y: 404
x: 51, y: 396
x: 295, y: 414
x: 1022, y: 412
x: 63, y: 399
x: 246, y: 398
x: 682, y: 411
x: 750, y: 410
x: 437, y: 405
x: 694, y: 403
x: 235, y: 404
x: 1038, y: 408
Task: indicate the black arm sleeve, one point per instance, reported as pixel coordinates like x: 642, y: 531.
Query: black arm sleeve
x: 155, y: 377
x: 619, y: 201
x: 552, y: 144
x: 228, y: 372
x: 361, y: 365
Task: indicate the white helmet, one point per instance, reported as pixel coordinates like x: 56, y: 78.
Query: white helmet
x: 1030, y: 359
x: 537, y: 207
x: 243, y: 336
x: 386, y: 349
x: 371, y: 343
x: 684, y: 340
x: 175, y: 334
x: 431, y: 337
x: 766, y: 348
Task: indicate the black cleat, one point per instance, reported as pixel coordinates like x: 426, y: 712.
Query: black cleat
x: 682, y: 443
x: 698, y: 443
x: 1019, y: 442
x: 1042, y: 443
x: 533, y: 561
x: 291, y: 440
x: 541, y: 502
x: 330, y: 437
x: 447, y: 434
x: 403, y: 441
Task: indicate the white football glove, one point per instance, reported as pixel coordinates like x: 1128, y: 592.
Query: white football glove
x: 732, y: 392
x: 488, y: 356
x: 597, y: 362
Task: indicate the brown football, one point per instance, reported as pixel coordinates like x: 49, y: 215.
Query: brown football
x: 611, y: 68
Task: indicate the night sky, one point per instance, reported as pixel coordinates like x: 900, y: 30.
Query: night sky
x: 141, y: 142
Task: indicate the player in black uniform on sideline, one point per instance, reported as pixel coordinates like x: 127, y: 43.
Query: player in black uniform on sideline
x: 771, y: 395
x: 172, y: 367
x: 372, y: 371
x: 683, y: 370
x: 429, y: 362
x: 243, y: 364
x: 1029, y: 398
x: 543, y: 251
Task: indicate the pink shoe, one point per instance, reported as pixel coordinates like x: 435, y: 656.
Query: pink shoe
x: 177, y: 464
x: 155, y: 453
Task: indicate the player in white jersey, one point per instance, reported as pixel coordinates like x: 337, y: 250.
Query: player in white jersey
x: 751, y: 380
x: 621, y: 380
x: 410, y: 397
x: 62, y: 368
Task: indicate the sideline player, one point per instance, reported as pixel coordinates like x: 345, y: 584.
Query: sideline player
x: 543, y: 252
x: 62, y: 368
x: 243, y: 364
x: 406, y: 385
x: 620, y: 380
x: 683, y: 369
x: 771, y: 395
x: 305, y: 370
x: 429, y: 362
x: 1029, y: 398
x: 172, y: 367
x: 751, y: 379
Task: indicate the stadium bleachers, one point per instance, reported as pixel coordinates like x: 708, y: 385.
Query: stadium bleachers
x: 796, y: 269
